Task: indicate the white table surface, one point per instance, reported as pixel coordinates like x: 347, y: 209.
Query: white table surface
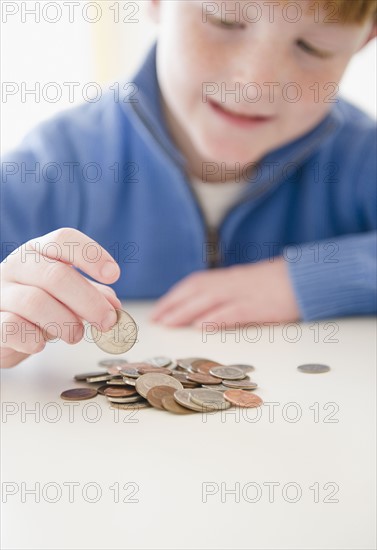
x: 164, y: 462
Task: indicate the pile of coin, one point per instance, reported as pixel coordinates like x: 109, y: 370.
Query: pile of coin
x: 181, y: 386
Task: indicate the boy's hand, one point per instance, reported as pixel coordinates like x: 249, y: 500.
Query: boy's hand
x: 259, y: 292
x: 44, y: 297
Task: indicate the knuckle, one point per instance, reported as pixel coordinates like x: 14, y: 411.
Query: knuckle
x: 33, y: 299
x: 64, y: 234
x: 55, y: 273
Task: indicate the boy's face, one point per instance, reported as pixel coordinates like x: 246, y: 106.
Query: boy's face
x: 278, y: 73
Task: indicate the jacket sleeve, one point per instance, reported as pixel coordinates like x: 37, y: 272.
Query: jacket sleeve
x: 335, y: 278
x: 37, y: 194
x: 338, y: 277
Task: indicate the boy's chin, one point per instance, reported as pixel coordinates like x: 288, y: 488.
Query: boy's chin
x: 229, y: 154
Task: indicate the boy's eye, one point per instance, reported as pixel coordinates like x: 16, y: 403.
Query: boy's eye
x: 226, y: 24
x: 311, y: 50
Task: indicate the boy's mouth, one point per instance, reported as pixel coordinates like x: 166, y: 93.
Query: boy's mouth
x: 239, y: 119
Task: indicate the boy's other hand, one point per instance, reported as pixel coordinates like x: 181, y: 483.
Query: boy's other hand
x: 259, y: 292
x: 43, y: 297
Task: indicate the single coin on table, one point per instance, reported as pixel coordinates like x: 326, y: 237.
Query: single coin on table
x: 313, y: 368
x: 156, y: 394
x: 227, y: 373
x: 170, y: 404
x: 209, y: 399
x: 78, y: 394
x: 147, y: 381
x: 120, y: 338
x: 242, y: 398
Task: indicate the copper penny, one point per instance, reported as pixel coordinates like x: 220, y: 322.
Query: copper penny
x: 101, y: 389
x: 149, y: 368
x: 171, y: 405
x: 202, y: 378
x: 204, y: 366
x: 119, y: 392
x: 242, y: 398
x: 155, y: 395
x: 78, y: 394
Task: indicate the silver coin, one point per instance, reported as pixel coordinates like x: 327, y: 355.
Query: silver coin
x: 85, y: 375
x: 227, y: 373
x: 132, y: 399
x: 218, y: 387
x: 186, y: 362
x: 129, y: 381
x: 209, y: 399
x: 107, y: 363
x: 240, y: 384
x: 116, y: 382
x: 158, y: 361
x: 313, y: 368
x: 100, y: 378
x: 120, y: 338
x: 147, y: 381
x: 245, y: 368
x: 131, y: 406
x: 129, y: 372
x: 183, y: 398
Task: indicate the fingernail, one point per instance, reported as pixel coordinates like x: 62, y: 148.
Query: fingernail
x: 109, y: 321
x: 109, y: 270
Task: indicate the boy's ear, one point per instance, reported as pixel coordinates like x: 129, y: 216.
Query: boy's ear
x: 154, y: 10
x: 371, y: 35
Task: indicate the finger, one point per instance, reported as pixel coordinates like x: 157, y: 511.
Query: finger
x: 75, y: 248
x: 109, y: 294
x: 69, y: 287
x: 187, y: 311
x: 20, y: 335
x: 39, y: 308
x: 10, y: 358
x: 180, y: 292
x: 230, y: 315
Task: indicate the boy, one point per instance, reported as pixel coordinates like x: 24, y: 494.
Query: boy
x: 230, y: 181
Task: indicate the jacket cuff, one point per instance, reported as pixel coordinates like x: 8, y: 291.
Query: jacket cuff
x: 334, y: 278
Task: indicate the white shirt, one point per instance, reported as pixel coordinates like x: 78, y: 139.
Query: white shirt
x: 216, y: 198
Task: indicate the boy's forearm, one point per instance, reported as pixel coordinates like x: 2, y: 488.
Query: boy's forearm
x: 335, y: 277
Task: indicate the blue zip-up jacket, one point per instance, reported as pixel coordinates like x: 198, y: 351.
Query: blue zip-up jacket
x: 111, y: 170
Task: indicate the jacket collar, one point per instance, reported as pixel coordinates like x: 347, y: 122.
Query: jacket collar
x: 148, y: 111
